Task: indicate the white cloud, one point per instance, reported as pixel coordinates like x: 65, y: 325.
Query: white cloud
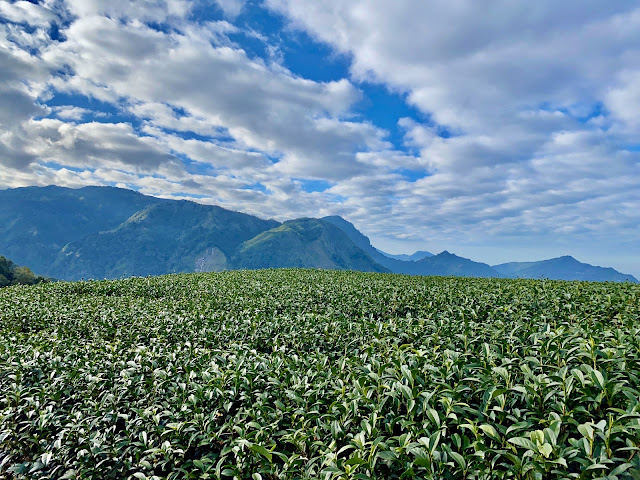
x: 69, y: 112
x: 623, y: 101
x: 232, y: 8
x: 27, y: 12
x: 83, y: 146
x: 91, y: 145
x: 208, y: 86
x: 210, y: 153
x: 163, y: 116
x: 146, y: 10
x: 516, y: 84
x: 21, y: 80
x: 473, y: 66
x: 262, y: 107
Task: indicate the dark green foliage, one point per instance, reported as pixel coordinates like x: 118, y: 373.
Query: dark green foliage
x: 301, y: 374
x: 11, y: 274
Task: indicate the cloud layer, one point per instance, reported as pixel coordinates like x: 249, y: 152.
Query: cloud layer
x: 525, y: 136
x: 541, y: 101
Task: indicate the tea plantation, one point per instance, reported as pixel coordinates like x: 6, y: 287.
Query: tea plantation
x: 301, y: 374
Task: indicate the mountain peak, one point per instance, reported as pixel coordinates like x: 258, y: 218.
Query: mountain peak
x: 565, y: 257
x: 414, y: 257
x: 449, y: 264
x: 304, y: 243
x: 335, y: 217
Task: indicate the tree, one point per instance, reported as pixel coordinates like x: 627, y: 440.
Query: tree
x: 11, y: 274
x: 6, y: 267
x: 23, y: 276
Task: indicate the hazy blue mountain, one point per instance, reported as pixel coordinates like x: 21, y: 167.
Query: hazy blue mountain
x: 448, y: 264
x: 414, y: 257
x: 445, y: 263
x: 304, y: 243
x: 562, y: 268
x: 104, y: 232
x: 36, y: 222
x: 175, y: 236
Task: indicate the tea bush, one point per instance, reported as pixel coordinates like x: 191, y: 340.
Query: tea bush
x: 300, y: 374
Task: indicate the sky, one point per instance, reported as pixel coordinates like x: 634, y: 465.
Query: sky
x: 501, y: 131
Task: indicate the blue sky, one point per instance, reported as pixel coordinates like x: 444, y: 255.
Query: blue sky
x: 501, y: 133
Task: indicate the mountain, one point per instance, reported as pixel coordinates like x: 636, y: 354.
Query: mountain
x: 562, y: 268
x: 448, y: 264
x: 414, y: 257
x: 304, y: 243
x: 36, y: 222
x: 175, y: 236
x: 105, y: 232
x: 360, y: 240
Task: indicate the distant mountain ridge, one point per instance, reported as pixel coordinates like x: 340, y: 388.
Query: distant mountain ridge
x: 448, y: 264
x: 562, y: 268
x: 414, y: 257
x: 107, y: 232
x: 442, y: 264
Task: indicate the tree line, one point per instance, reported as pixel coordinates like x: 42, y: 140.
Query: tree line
x: 12, y: 274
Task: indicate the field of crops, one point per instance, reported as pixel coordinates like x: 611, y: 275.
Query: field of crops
x: 314, y: 374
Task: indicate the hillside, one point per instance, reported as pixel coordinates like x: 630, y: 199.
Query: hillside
x: 394, y: 265
x: 304, y: 243
x: 104, y: 232
x: 37, y: 222
x: 177, y: 236
x: 562, y: 268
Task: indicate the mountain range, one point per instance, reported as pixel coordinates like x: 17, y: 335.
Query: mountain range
x: 107, y: 232
x: 562, y: 268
